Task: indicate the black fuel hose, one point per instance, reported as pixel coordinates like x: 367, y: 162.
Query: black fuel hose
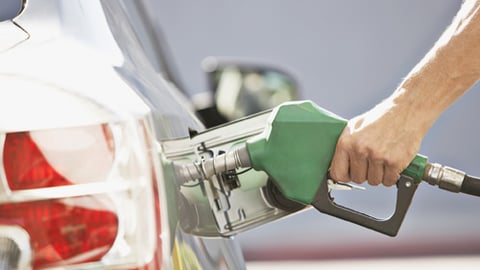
x: 471, y: 185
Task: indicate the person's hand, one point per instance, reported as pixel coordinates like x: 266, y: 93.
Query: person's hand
x: 377, y: 146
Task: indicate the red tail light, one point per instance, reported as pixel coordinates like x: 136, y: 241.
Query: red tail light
x: 25, y: 166
x: 59, y: 231
x: 78, y: 202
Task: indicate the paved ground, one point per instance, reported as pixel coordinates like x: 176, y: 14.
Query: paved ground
x: 458, y: 262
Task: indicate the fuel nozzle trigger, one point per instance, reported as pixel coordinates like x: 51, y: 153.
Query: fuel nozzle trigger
x: 406, y: 188
x: 334, y: 185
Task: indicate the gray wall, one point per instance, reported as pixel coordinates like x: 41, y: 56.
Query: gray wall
x: 347, y: 56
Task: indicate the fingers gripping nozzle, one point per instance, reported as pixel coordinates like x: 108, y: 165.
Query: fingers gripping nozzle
x: 206, y: 168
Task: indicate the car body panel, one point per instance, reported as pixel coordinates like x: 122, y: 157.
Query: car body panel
x: 80, y: 63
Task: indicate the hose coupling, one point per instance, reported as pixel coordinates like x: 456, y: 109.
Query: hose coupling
x: 444, y: 177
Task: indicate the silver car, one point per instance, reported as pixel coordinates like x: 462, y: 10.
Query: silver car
x: 90, y: 127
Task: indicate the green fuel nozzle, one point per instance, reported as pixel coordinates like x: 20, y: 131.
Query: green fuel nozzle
x: 296, y: 149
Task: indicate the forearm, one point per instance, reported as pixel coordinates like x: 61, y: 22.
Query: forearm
x: 450, y: 68
x: 379, y: 144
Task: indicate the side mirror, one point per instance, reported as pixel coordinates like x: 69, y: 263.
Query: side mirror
x: 11, y: 9
x: 239, y: 88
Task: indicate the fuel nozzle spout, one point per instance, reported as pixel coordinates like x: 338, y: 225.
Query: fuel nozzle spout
x: 206, y: 168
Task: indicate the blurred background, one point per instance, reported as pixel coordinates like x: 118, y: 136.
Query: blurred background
x: 346, y: 56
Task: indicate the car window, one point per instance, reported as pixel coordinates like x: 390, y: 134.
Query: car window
x: 9, y: 9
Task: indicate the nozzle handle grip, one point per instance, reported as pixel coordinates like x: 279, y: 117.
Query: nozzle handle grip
x: 406, y: 188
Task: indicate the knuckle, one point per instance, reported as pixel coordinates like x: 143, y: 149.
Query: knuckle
x: 374, y: 178
x: 378, y: 157
x: 390, y: 161
x: 358, y: 180
x: 374, y: 181
x: 396, y: 161
x: 343, y: 143
x: 391, y: 177
x: 361, y: 151
x: 339, y: 175
x: 389, y: 182
x: 334, y: 175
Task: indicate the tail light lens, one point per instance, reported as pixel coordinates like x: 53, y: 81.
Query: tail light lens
x: 84, y: 197
x: 60, y: 231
